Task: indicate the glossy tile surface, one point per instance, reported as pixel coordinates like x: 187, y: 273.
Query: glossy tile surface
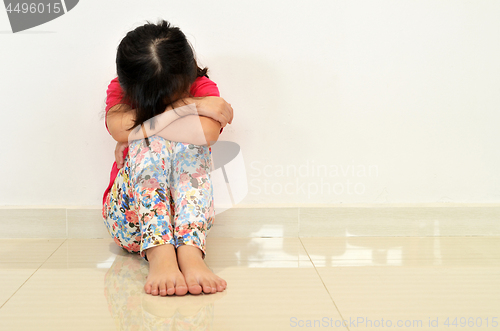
x: 34, y: 251
x: 273, y: 284
x: 256, y: 223
x: 415, y: 297
x: 11, y: 279
x: 402, y: 251
x: 400, y: 221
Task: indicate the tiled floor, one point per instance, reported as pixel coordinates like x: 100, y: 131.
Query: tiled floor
x: 371, y: 283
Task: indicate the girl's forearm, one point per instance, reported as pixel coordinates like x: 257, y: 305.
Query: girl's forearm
x: 160, y: 122
x: 174, y: 124
x: 192, y: 129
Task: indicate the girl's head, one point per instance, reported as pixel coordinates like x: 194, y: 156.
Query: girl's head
x: 156, y: 66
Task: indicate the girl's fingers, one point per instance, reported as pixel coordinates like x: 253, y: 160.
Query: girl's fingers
x: 223, y: 122
x: 231, y: 112
x: 120, y: 147
x: 225, y: 116
x: 216, y: 108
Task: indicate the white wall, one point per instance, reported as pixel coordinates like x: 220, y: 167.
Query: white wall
x: 410, y: 88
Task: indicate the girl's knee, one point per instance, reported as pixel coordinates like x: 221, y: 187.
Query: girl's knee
x: 131, y: 246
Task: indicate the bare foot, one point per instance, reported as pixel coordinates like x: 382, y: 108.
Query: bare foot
x: 199, y: 278
x: 164, y: 276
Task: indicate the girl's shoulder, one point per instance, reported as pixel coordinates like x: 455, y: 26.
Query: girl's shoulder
x: 203, y: 87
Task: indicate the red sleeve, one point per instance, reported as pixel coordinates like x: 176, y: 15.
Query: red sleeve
x: 204, y: 87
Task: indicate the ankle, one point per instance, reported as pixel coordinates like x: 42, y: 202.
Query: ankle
x: 189, y: 256
x: 164, y: 252
x: 191, y: 252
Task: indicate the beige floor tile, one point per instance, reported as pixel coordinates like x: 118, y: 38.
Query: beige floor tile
x: 221, y: 253
x: 488, y: 247
x: 59, y: 299
x: 399, y: 221
x: 89, y: 284
x: 82, y: 298
x: 256, y: 222
x: 93, y: 251
x: 403, y: 251
x: 256, y: 253
x: 272, y: 299
x: 27, y: 250
x: 69, y: 291
x: 255, y: 249
x: 415, y: 295
x: 11, y: 279
x: 217, y: 265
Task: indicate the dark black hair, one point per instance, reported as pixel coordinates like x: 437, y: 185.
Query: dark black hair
x: 155, y: 64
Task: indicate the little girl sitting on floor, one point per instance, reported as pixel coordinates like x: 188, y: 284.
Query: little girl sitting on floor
x: 164, y: 113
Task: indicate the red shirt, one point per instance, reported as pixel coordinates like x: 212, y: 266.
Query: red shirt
x: 201, y: 87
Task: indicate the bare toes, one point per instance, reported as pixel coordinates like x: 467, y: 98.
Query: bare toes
x: 170, y: 287
x: 213, y: 286
x: 181, y: 290
x: 207, y: 288
x: 154, y: 289
x: 194, y: 287
x: 163, y: 289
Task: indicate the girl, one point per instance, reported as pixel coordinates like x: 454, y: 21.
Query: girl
x: 164, y: 113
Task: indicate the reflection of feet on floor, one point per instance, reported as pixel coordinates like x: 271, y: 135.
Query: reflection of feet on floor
x: 123, y: 288
x: 164, y: 276
x: 133, y: 309
x: 183, y: 306
x: 199, y: 278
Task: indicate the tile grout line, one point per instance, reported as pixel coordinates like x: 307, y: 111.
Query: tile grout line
x: 32, y: 274
x: 298, y: 221
x: 317, y: 272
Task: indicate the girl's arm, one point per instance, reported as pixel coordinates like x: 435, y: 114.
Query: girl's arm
x: 118, y: 119
x: 173, y: 125
x: 196, y: 130
x: 211, y: 106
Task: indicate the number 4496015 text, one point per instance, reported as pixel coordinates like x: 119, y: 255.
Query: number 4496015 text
x: 34, y: 8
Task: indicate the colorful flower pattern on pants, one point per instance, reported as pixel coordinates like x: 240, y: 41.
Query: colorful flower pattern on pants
x: 162, y: 195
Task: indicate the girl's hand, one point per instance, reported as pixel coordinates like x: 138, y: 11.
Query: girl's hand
x: 215, y: 108
x: 120, y: 147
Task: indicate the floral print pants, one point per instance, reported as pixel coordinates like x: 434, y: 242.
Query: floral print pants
x: 162, y: 195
